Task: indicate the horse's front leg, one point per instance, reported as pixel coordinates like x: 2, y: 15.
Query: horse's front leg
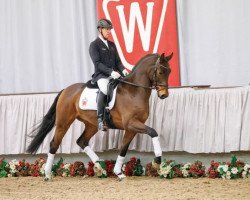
x: 157, y: 147
x: 128, y: 136
x: 139, y: 127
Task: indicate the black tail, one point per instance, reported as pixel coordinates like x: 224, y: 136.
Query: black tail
x: 44, y: 127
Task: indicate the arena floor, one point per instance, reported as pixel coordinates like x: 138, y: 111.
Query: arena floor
x: 130, y: 188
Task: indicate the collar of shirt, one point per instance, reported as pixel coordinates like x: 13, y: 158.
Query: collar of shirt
x: 105, y: 41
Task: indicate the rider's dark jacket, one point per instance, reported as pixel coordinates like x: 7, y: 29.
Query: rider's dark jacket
x: 105, y: 59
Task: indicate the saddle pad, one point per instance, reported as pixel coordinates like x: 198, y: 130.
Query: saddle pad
x: 88, y: 99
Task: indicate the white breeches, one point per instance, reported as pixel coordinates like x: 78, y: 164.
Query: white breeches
x: 103, y: 85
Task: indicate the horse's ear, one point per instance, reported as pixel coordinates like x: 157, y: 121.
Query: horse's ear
x: 168, y: 58
x: 162, y: 58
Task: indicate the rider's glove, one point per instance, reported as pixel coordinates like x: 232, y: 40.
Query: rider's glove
x: 125, y: 72
x: 115, y: 75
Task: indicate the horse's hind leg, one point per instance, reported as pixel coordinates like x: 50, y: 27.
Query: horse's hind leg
x: 83, y: 141
x: 62, y: 125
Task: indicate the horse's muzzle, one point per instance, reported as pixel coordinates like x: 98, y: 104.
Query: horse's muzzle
x: 163, y: 96
x: 162, y: 92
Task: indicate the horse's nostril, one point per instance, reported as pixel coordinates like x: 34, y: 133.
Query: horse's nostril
x: 163, y: 96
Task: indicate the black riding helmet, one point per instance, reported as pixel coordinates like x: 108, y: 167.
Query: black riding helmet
x: 104, y: 23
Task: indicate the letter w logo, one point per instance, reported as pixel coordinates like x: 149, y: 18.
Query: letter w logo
x: 137, y: 26
x: 128, y: 33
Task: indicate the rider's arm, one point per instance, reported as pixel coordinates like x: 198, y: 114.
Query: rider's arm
x: 118, y: 62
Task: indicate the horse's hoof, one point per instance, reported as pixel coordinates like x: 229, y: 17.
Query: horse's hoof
x: 121, y: 177
x: 47, y: 178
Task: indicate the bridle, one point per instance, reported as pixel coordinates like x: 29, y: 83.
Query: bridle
x: 155, y: 85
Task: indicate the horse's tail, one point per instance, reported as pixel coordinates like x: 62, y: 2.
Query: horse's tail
x: 44, y: 127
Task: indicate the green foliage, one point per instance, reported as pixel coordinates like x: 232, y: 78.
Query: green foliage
x: 3, y: 168
x: 56, y: 167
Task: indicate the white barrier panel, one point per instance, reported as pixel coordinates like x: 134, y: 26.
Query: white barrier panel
x: 191, y: 120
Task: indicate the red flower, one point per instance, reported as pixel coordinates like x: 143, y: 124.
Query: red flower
x: 240, y: 163
x: 21, y: 163
x: 200, y: 172
x: 90, y: 170
x: 216, y: 165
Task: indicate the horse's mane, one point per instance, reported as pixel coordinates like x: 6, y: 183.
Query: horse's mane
x: 144, y: 58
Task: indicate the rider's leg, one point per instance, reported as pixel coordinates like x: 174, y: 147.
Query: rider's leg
x: 101, y: 101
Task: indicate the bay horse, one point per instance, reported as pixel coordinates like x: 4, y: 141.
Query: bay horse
x: 129, y: 113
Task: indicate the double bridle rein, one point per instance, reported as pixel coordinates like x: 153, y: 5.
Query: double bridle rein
x: 154, y: 85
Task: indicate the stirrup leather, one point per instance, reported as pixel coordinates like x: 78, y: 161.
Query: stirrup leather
x: 102, y: 126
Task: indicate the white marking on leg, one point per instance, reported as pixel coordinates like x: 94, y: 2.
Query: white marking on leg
x: 92, y: 155
x: 118, y: 165
x: 157, y: 147
x: 48, y: 166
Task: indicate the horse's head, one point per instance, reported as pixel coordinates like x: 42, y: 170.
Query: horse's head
x: 161, y: 74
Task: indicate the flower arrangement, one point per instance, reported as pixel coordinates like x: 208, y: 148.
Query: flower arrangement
x: 185, y: 170
x: 246, y: 171
x: 231, y: 170
x: 98, y: 169
x: 212, y: 170
x: 197, y: 169
x: 18, y: 168
x: 14, y: 164
x: 169, y: 169
x: 90, y: 169
x: 37, y: 169
x: 4, y: 168
x: 110, y: 167
x: 56, y: 167
x: 133, y: 167
x: 63, y: 170
x: 151, y: 171
x: 76, y: 169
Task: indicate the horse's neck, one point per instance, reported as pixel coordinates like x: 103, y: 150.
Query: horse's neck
x: 139, y: 77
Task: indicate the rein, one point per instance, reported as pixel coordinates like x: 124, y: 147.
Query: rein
x: 136, y: 85
x: 155, y: 85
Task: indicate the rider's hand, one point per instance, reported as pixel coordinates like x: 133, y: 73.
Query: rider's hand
x: 115, y: 75
x: 125, y: 72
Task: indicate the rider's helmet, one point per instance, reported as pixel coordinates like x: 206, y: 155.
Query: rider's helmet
x: 104, y: 23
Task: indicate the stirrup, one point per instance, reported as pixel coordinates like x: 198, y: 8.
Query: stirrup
x: 102, y: 126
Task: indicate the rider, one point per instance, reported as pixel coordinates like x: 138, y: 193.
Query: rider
x: 107, y: 65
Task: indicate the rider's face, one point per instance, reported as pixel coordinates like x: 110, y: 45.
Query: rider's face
x: 106, y: 32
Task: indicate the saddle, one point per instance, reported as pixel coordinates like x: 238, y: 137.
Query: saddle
x: 111, y: 87
x: 107, y: 118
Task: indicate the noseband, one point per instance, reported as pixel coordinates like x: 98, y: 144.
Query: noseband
x: 155, y: 85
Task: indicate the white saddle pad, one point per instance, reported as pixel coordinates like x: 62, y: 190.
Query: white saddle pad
x: 88, y: 99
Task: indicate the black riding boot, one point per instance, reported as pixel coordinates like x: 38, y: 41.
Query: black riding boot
x: 101, y: 103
